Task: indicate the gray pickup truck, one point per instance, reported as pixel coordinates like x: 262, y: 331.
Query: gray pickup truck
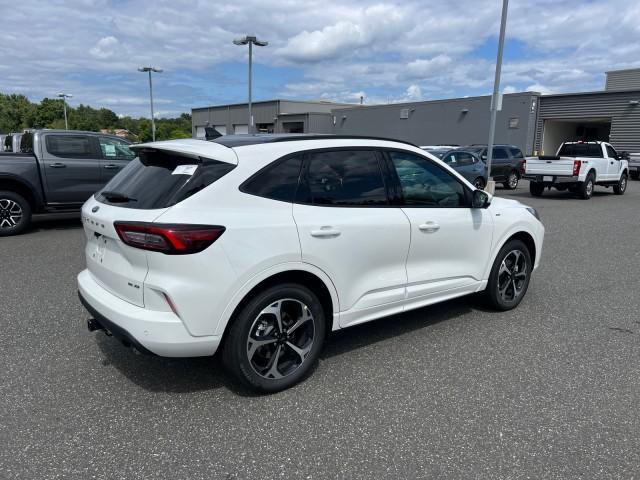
x: 56, y: 171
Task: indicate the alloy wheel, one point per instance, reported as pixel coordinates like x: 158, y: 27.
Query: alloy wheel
x: 512, y: 275
x: 623, y: 183
x: 280, y: 338
x: 10, y: 213
x: 513, y: 181
x: 589, y: 187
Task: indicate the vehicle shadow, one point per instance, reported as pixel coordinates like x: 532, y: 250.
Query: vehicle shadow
x: 63, y: 221
x: 555, y: 195
x: 185, y: 375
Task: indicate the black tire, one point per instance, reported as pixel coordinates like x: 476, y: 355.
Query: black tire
x: 536, y: 189
x: 515, y: 278
x: 15, y: 213
x: 512, y: 180
x: 621, y: 187
x: 585, y: 190
x: 635, y: 175
x: 255, y: 370
x: 479, y: 183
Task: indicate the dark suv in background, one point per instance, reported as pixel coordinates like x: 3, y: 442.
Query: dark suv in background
x: 507, y: 163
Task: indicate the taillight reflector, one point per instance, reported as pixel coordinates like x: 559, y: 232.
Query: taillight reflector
x: 179, y: 239
x: 576, y: 167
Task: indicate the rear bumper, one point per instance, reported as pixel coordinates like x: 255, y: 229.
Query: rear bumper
x: 555, y: 179
x: 159, y: 333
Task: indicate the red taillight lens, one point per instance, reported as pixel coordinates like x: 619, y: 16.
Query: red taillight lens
x: 166, y: 238
x: 524, y: 167
x: 576, y: 167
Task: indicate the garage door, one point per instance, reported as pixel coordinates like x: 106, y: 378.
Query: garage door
x: 238, y: 129
x: 200, y: 132
x: 222, y: 129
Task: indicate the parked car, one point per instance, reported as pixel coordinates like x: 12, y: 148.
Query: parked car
x: 56, y: 170
x: 466, y: 163
x: 507, y: 164
x: 260, y: 245
x: 634, y: 165
x: 578, y: 167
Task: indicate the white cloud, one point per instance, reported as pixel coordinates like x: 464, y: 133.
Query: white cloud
x: 105, y: 47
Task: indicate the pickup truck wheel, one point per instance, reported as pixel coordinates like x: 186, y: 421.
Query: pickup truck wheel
x: 15, y: 213
x: 510, y: 276
x: 586, y: 187
x: 512, y: 180
x: 536, y: 189
x: 621, y: 187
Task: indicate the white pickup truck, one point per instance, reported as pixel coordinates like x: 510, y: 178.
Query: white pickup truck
x: 578, y: 167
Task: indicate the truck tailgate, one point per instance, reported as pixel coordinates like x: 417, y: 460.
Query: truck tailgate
x: 559, y: 166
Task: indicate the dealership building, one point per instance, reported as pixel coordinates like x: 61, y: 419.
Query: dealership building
x: 530, y: 120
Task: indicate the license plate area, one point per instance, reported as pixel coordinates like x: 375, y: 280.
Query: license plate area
x: 547, y: 178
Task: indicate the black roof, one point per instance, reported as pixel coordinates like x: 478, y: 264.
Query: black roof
x: 258, y: 138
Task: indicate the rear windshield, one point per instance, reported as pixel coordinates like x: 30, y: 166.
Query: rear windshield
x: 581, y: 150
x: 158, y: 179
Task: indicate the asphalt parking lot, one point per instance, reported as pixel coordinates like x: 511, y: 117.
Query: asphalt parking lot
x: 550, y: 390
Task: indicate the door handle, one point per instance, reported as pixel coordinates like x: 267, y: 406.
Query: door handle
x: 429, y: 227
x: 325, y: 232
x: 57, y: 165
x: 111, y: 166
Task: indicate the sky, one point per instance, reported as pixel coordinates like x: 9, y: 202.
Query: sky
x: 331, y: 50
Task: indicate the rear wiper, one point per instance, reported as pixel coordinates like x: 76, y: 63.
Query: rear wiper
x: 117, y: 197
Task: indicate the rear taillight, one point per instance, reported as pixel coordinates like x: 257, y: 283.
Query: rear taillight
x: 576, y: 167
x: 523, y: 168
x: 167, y: 238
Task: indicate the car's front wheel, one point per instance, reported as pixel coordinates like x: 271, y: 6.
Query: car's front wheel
x: 15, y: 213
x: 510, y: 275
x: 512, y: 180
x: 276, y: 338
x: 621, y: 187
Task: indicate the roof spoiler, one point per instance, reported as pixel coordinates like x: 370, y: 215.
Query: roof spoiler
x: 210, y: 133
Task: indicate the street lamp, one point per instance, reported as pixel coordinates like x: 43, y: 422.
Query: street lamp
x: 153, y: 121
x: 64, y: 97
x: 496, y: 92
x: 250, y: 40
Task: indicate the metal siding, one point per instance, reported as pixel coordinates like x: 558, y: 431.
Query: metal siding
x: 442, y: 121
x: 623, y: 80
x: 625, y: 118
x: 319, y: 123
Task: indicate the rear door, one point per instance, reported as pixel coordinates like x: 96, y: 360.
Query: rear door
x: 500, y: 164
x: 116, y: 154
x: 71, y: 167
x: 348, y: 229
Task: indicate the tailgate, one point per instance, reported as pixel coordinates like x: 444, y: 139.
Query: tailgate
x: 118, y: 268
x: 558, y: 166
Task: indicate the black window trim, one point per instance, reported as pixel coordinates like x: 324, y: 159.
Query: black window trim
x: 244, y: 185
x: 96, y: 153
x: 394, y: 175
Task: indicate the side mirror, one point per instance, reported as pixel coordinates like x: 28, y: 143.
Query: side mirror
x: 480, y: 199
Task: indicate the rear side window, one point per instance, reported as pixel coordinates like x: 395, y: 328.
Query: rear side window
x: 516, y: 153
x: 278, y: 181
x: 158, y: 179
x: 343, y: 178
x: 70, y: 146
x: 581, y: 150
x: 500, y: 153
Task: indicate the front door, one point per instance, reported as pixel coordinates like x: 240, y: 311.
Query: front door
x: 348, y: 229
x: 115, y: 156
x: 450, y: 241
x: 71, y: 165
x: 613, y: 164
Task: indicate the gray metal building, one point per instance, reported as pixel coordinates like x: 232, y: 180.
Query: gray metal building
x: 271, y: 116
x: 459, y: 121
x: 534, y: 122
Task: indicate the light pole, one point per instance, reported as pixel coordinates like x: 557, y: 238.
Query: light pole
x: 153, y: 120
x: 250, y: 40
x: 64, y: 97
x: 496, y: 91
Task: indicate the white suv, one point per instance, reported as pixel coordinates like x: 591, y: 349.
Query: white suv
x: 260, y: 245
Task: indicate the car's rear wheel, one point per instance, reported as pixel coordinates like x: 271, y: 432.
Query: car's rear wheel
x: 536, y: 189
x: 586, y: 188
x: 621, y: 187
x: 510, y: 275
x: 276, y: 338
x: 512, y: 180
x: 15, y: 213
x: 479, y: 183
